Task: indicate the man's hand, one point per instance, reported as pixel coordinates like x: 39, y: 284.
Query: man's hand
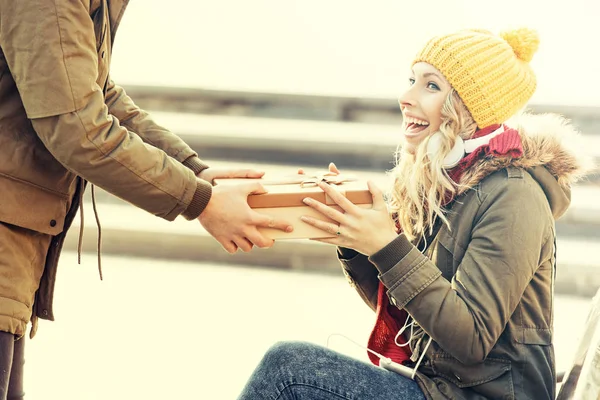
x: 231, y: 221
x: 210, y: 174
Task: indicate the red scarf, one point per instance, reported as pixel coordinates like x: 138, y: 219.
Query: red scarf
x: 389, y: 318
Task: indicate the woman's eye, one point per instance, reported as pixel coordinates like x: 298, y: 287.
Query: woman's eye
x: 433, y: 86
x: 411, y: 81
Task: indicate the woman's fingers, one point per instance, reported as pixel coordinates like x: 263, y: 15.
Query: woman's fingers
x: 328, y: 227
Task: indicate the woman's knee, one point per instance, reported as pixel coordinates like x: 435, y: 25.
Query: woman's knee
x: 289, y: 353
x: 290, y: 358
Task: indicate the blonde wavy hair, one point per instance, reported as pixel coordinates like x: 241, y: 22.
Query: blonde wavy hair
x: 420, y: 184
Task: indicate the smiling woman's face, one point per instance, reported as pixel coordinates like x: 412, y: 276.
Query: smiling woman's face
x: 421, y: 104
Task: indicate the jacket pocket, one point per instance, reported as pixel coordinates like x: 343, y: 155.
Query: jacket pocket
x: 32, y: 207
x: 491, y: 378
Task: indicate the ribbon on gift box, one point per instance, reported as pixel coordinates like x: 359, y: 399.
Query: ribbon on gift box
x: 307, y: 187
x: 311, y: 180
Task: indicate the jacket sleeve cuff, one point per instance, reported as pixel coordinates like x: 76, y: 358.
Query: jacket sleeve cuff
x: 195, y: 164
x: 387, y: 257
x: 199, y: 201
x: 404, y: 271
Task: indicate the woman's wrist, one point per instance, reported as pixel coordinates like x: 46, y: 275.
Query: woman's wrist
x: 381, y: 242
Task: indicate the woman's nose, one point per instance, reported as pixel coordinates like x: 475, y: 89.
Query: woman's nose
x: 406, y: 99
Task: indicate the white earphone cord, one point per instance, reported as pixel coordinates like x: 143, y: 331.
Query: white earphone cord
x: 388, y: 363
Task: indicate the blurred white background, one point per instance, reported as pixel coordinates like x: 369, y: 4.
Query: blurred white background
x: 337, y: 47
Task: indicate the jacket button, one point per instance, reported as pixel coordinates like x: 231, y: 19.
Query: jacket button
x: 45, y: 313
x: 53, y: 223
x: 458, y: 377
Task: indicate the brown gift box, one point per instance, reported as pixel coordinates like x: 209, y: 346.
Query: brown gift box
x: 284, y: 200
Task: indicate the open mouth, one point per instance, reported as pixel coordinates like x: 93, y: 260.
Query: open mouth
x: 415, y: 126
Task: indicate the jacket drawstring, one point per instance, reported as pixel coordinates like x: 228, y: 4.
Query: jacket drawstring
x: 99, y: 244
x: 81, y: 228
x: 81, y: 224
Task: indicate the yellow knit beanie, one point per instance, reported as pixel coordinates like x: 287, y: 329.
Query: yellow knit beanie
x: 490, y: 73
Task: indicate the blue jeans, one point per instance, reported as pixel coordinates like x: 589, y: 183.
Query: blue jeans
x: 304, y: 371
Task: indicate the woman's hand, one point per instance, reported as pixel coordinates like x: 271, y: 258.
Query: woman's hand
x: 364, y: 230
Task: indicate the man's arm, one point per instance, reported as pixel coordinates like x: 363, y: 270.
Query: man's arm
x: 50, y: 49
x: 139, y: 121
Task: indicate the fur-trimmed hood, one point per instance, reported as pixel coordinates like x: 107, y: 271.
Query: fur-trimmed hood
x: 553, y: 154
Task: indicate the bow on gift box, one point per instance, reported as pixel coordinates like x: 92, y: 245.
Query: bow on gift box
x: 311, y: 180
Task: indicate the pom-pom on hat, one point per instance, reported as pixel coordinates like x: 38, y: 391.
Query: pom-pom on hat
x: 490, y: 73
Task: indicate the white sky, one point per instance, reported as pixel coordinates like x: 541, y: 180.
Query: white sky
x: 342, y: 47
